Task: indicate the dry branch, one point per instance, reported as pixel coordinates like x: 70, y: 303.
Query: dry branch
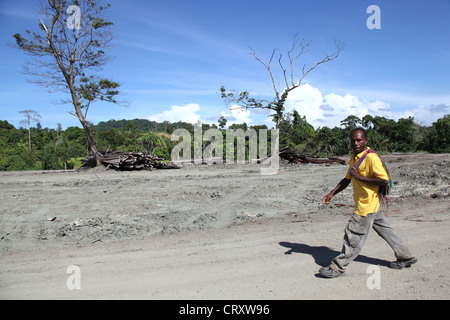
x: 293, y: 157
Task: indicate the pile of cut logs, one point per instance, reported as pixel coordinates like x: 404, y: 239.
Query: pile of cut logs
x: 293, y: 157
x: 138, y: 161
x: 131, y: 161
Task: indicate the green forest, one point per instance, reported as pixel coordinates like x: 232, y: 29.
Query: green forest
x: 38, y: 148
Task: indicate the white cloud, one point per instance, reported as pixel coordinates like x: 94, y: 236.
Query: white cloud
x: 191, y: 113
x: 307, y: 101
x: 403, y: 98
x: 320, y: 110
x: 329, y: 110
x: 237, y: 115
x: 426, y: 115
x: 187, y: 113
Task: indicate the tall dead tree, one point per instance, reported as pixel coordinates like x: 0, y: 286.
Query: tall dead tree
x: 286, y: 70
x: 68, y: 50
x: 29, y: 116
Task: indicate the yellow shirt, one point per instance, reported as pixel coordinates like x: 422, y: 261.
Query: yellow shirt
x: 365, y: 194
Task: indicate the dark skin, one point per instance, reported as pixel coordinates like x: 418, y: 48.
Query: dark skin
x: 358, y: 142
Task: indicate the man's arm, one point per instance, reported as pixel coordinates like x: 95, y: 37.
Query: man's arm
x: 341, y: 186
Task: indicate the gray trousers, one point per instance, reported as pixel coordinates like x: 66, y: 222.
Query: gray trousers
x: 356, y: 234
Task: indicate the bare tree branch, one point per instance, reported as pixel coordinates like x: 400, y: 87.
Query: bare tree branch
x: 328, y: 57
x: 268, y: 67
x: 299, y: 47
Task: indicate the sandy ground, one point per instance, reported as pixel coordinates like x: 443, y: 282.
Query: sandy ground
x: 216, y: 232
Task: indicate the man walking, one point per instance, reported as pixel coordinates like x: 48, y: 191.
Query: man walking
x: 367, y: 179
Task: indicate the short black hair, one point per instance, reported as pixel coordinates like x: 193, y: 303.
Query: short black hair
x: 364, y: 131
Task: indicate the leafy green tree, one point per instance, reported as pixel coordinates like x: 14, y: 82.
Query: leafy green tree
x: 151, y: 141
x: 67, y: 149
x: 440, y: 135
x: 49, y: 158
x: 367, y: 121
x: 111, y: 139
x: 130, y: 135
x: 327, y: 142
x: 222, y: 122
x: 18, y: 157
x: 236, y: 126
x: 6, y: 125
x: 67, y: 54
x: 74, y: 134
x: 403, y: 135
x: 351, y: 122
x: 301, y: 129
x: 295, y: 130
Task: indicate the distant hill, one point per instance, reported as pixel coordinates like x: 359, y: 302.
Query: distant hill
x: 144, y: 125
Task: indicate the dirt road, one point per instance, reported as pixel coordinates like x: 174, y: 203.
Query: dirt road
x: 215, y: 232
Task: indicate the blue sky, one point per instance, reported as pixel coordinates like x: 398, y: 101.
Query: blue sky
x: 172, y: 57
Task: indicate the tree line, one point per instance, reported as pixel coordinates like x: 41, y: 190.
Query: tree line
x: 385, y: 135
x: 38, y: 148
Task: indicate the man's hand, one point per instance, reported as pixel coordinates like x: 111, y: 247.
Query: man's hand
x: 341, y: 186
x: 327, y: 198
x: 377, y: 181
x: 355, y: 173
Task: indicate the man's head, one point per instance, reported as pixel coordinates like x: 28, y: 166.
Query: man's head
x: 358, y: 140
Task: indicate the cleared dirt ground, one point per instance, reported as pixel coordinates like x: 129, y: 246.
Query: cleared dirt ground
x: 216, y: 232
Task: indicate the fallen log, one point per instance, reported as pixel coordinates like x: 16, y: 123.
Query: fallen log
x: 319, y: 160
x: 294, y: 157
x: 130, y: 161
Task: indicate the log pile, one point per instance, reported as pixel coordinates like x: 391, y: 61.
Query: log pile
x: 293, y: 157
x: 125, y: 161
